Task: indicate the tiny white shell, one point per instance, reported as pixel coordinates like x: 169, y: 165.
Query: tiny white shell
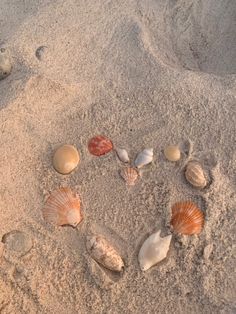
x: 144, y: 158
x: 122, y: 154
x: 153, y: 250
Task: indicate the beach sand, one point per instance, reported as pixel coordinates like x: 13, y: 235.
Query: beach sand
x: 146, y: 74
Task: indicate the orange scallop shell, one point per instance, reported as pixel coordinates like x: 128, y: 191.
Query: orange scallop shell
x: 187, y: 218
x: 100, y: 145
x: 62, y: 208
x: 130, y: 175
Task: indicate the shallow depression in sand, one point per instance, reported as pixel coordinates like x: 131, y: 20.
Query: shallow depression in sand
x: 195, y: 35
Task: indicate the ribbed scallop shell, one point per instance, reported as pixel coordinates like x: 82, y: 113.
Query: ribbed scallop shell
x: 187, y: 218
x: 62, y: 208
x: 100, y: 145
x: 130, y: 175
x: 195, y: 175
x: 104, y: 253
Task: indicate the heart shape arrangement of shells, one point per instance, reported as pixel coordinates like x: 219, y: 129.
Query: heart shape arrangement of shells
x: 63, y: 205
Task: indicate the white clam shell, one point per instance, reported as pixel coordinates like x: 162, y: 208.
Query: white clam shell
x: 104, y: 253
x: 122, y: 154
x: 153, y: 250
x: 144, y: 158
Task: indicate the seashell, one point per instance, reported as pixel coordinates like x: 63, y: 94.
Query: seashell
x: 100, y: 145
x: 104, y: 253
x: 144, y: 158
x: 195, y: 175
x: 187, y: 218
x: 65, y: 159
x: 17, y: 242
x: 63, y: 208
x: 130, y: 175
x: 40, y: 51
x: 122, y: 154
x: 172, y: 153
x: 5, y: 63
x: 153, y: 250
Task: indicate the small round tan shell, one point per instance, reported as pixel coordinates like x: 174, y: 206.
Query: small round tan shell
x: 63, y: 208
x: 65, y: 159
x: 130, y: 175
x: 172, y: 153
x: 195, y: 175
x: 17, y: 242
x: 104, y: 253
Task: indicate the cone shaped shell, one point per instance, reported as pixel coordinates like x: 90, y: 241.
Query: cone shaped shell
x: 62, y: 208
x: 144, y: 158
x: 130, y: 175
x: 100, y: 145
x: 153, y: 250
x: 195, y: 175
x: 65, y: 159
x: 187, y: 218
x: 104, y: 253
x: 122, y: 154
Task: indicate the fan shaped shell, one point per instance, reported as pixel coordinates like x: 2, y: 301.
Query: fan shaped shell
x: 100, y: 145
x: 130, y: 175
x: 104, y: 253
x: 187, y: 218
x: 62, y: 208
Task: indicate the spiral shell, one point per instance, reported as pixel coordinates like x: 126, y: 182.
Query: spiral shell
x: 187, y: 218
x: 104, y: 253
x: 100, y: 145
x: 130, y: 175
x: 144, y: 158
x: 195, y: 175
x: 62, y: 208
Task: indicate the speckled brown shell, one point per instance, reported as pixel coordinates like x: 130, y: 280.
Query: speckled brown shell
x: 130, y: 175
x: 187, y: 218
x: 195, y: 175
x: 104, y: 253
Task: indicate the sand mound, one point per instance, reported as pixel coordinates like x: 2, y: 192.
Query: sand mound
x: 194, y: 35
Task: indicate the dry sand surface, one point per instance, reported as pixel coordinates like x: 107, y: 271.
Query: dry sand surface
x: 145, y: 73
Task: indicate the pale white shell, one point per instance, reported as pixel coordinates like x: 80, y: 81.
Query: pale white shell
x: 153, y: 250
x: 144, y: 158
x: 104, y: 253
x: 122, y: 154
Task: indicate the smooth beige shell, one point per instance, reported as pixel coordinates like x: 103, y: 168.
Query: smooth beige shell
x: 153, y: 250
x: 172, y: 153
x: 65, y: 159
x: 130, y: 175
x: 63, y: 208
x: 195, y: 175
x: 104, y: 253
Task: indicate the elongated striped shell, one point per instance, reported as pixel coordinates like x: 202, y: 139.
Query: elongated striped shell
x: 195, y: 175
x: 100, y: 145
x: 104, y: 253
x: 187, y: 218
x: 130, y: 175
x: 62, y: 208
